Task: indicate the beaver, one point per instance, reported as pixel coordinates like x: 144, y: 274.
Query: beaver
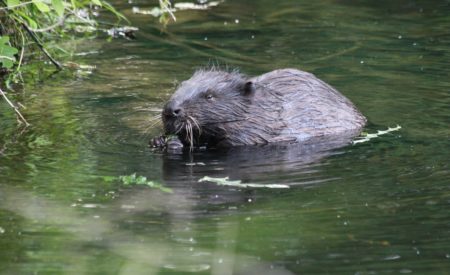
x: 216, y: 108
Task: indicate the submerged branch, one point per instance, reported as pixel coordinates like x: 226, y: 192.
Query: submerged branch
x: 15, y: 108
x: 34, y: 37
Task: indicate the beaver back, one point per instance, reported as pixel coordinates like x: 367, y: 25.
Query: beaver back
x: 307, y: 106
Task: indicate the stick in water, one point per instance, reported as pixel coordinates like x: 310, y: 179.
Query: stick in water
x: 15, y: 108
x: 33, y: 36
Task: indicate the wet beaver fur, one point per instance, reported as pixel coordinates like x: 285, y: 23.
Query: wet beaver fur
x: 216, y: 108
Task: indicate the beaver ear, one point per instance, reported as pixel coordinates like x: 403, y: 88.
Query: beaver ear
x: 248, y: 89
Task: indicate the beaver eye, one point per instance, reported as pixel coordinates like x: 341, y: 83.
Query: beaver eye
x: 209, y: 96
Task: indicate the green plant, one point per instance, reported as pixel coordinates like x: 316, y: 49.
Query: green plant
x: 166, y: 14
x: 138, y: 180
x: 39, y: 21
x: 7, y: 53
x: 47, y: 15
x: 28, y: 26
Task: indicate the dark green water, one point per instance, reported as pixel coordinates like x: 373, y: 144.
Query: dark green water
x: 374, y: 208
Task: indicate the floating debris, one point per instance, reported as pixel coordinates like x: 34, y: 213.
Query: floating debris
x: 392, y: 257
x: 127, y: 32
x: 90, y: 205
x: 237, y: 183
x: 192, y: 6
x: 137, y: 180
x: 157, y: 12
x: 366, y: 137
x: 73, y: 65
x: 195, y: 164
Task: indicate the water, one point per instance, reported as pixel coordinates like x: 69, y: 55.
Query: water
x: 372, y: 208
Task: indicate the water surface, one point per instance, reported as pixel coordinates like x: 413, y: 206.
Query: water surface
x: 372, y: 208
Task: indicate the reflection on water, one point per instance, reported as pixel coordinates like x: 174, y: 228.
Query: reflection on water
x: 376, y: 207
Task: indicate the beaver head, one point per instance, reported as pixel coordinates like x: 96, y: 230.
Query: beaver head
x: 202, y: 106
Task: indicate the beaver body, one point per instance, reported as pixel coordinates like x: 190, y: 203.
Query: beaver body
x: 217, y: 108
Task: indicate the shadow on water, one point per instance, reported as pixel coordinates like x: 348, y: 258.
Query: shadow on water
x: 281, y: 163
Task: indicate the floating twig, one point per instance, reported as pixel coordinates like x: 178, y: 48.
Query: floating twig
x: 22, y: 118
x: 367, y: 137
x: 237, y: 183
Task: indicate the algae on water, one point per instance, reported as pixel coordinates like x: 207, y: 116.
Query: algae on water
x: 138, y: 180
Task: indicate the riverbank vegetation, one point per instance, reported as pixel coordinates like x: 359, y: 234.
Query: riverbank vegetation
x: 36, y: 30
x: 33, y: 30
x: 31, y: 27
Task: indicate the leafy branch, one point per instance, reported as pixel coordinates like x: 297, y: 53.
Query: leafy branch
x: 23, y: 23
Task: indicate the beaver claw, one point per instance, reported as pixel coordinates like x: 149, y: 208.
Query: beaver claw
x: 158, y: 142
x: 168, y: 142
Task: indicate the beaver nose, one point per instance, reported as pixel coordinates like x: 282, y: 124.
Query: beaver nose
x: 172, y: 110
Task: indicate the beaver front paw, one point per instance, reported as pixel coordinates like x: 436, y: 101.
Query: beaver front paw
x: 158, y: 142
x: 169, y: 142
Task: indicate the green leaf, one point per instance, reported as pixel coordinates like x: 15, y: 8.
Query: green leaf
x: 138, y: 180
x: 31, y: 22
x: 40, y: 141
x: 7, y: 53
x: 12, y: 3
x: 4, y: 39
x: 58, y: 5
x: 109, y: 178
x: 97, y: 2
x: 114, y: 11
x: 42, y: 6
x: 8, y: 64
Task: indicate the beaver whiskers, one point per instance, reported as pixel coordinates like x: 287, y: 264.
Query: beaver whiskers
x: 189, y: 126
x: 154, y: 121
x: 192, y: 130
